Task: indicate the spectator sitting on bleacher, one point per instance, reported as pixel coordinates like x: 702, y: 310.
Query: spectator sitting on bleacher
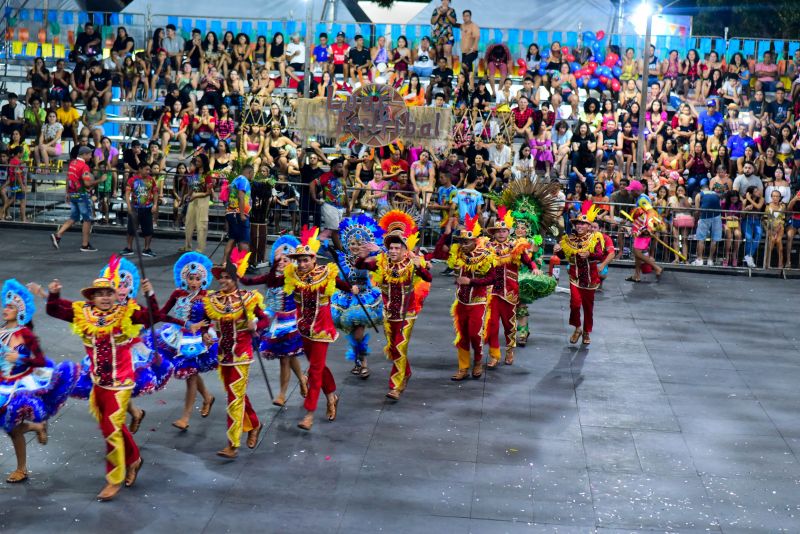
x: 40, y: 80
x: 779, y: 110
x: 161, y: 71
x: 49, y: 142
x: 83, y: 140
x: 100, y: 83
x: 11, y: 116
x: 498, y: 58
x: 204, y: 127
x: 124, y: 43
x: 193, y: 51
x: 423, y: 59
x: 79, y: 81
x: 359, y: 61
x: 295, y: 56
x: 87, y: 45
x: 766, y: 74
x: 338, y: 56
x: 174, y: 46
x: 320, y: 56
x: 174, y: 125
x: 60, y: 82
x: 94, y: 116
x: 69, y: 117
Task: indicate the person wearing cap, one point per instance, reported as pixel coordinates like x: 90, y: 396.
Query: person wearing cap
x: 509, y: 254
x: 312, y: 286
x: 588, y: 253
x: 338, y: 56
x: 108, y: 330
x: 474, y: 264
x: 79, y: 182
x: 404, y: 281
x: 708, y: 119
x: 236, y: 315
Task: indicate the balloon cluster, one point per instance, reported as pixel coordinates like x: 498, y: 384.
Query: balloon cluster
x: 602, y: 69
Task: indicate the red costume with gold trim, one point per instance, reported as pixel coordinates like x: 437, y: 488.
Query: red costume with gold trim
x: 108, y: 337
x: 471, y: 305
x: 233, y: 314
x: 509, y: 255
x: 312, y: 294
x: 584, y: 252
x: 404, y: 287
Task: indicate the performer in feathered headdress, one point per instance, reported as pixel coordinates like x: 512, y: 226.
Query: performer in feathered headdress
x: 32, y: 387
x: 510, y: 253
x: 584, y: 249
x: 535, y: 208
x: 348, y: 314
x: 108, y: 329
x: 473, y: 262
x: 404, y: 282
x: 312, y: 286
x: 236, y: 315
x: 282, y: 339
x: 180, y: 339
x: 151, y: 373
x: 646, y: 223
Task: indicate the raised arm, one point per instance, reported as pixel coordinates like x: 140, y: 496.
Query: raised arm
x: 56, y: 306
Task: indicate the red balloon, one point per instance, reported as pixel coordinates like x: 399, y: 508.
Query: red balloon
x: 591, y: 66
x: 570, y: 58
x: 522, y: 70
x: 564, y: 50
x: 603, y: 79
x: 599, y: 35
x: 615, y: 86
x: 580, y: 73
x: 521, y: 63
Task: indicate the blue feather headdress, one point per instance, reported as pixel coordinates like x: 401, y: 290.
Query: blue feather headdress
x: 192, y: 263
x: 356, y: 230
x: 18, y: 296
x: 285, y: 244
x: 128, y: 274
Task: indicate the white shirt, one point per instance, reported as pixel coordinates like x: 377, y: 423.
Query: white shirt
x: 291, y: 48
x: 499, y: 157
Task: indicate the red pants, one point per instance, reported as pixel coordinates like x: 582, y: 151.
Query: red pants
x: 501, y: 310
x: 398, y: 334
x: 319, y: 376
x: 469, y: 322
x: 241, y: 416
x: 109, y: 407
x: 581, y: 298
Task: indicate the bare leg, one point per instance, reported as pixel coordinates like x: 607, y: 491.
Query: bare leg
x: 188, y: 402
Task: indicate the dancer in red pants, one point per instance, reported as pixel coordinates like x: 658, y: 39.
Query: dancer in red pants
x: 473, y: 262
x: 237, y: 316
x: 510, y: 254
x: 312, y: 286
x: 404, y: 281
x: 108, y: 329
x: 587, y: 253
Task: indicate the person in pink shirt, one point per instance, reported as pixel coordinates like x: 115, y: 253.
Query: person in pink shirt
x: 766, y: 74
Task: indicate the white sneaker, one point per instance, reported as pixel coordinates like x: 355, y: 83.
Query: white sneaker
x: 698, y: 262
x: 710, y: 262
x: 749, y: 261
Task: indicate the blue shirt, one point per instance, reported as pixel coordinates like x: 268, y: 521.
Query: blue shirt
x: 468, y: 201
x: 321, y: 54
x: 709, y: 201
x: 445, y: 195
x: 709, y: 122
x: 737, y: 144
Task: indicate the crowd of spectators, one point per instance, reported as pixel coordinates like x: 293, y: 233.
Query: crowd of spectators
x: 726, y: 127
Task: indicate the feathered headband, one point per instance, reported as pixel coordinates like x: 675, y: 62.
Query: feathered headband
x: 285, y: 244
x: 236, y: 265
x: 471, y: 229
x: 122, y: 273
x: 504, y: 220
x: 588, y: 214
x: 399, y: 227
x: 192, y: 263
x: 18, y: 296
x: 309, y: 244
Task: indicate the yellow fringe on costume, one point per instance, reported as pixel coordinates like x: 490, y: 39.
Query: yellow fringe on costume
x: 383, y: 273
x: 86, y: 323
x: 214, y: 310
x: 588, y: 244
x: 519, y: 247
x: 482, y: 262
x: 116, y: 456
x: 455, y: 322
x: 326, y: 277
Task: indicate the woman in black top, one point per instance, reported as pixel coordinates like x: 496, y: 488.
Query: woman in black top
x: 277, y: 55
x: 124, y: 43
x: 156, y: 43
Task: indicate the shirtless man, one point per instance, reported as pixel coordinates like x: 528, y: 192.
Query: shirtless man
x: 469, y: 41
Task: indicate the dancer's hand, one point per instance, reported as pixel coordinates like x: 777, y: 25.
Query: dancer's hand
x: 11, y: 356
x: 55, y: 286
x: 415, y: 259
x: 147, y: 287
x: 354, y: 290
x: 462, y: 281
x: 583, y: 254
x: 556, y: 248
x: 198, y: 326
x: 36, y: 289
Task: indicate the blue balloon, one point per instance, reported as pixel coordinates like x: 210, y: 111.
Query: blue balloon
x: 593, y: 83
x: 580, y: 82
x: 617, y: 72
x: 543, y: 64
x: 588, y: 37
x: 596, y: 47
x: 574, y: 66
x: 542, y: 71
x: 545, y: 54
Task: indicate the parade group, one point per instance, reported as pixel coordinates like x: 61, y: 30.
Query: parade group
x: 381, y: 275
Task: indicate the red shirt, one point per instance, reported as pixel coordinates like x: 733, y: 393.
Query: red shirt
x: 521, y: 117
x: 339, y: 53
x: 76, y: 177
x: 390, y: 167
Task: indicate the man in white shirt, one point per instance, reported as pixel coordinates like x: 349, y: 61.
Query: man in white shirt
x: 296, y: 56
x: 500, y: 157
